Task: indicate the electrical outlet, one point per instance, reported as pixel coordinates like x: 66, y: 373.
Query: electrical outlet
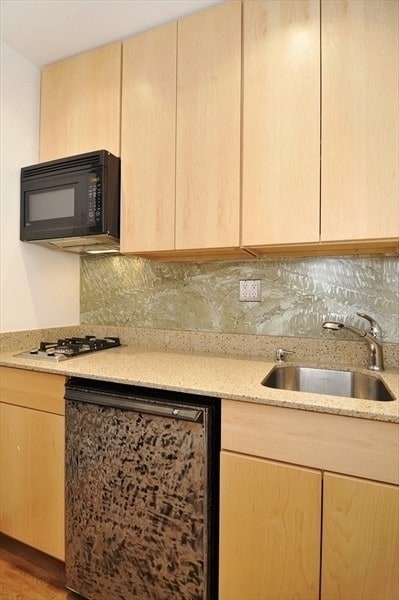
x: 249, y: 290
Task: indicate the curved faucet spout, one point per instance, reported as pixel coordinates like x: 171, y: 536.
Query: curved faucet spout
x: 336, y: 325
x: 373, y: 337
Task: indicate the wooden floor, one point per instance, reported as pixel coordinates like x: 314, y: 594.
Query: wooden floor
x: 26, y: 574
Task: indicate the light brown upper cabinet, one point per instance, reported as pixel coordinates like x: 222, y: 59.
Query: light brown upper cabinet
x: 80, y: 104
x: 148, y: 141
x: 281, y: 122
x: 359, y: 183
x: 208, y: 128
x: 180, y: 150
x: 257, y: 127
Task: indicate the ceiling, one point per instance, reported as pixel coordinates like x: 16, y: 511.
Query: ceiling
x: 44, y: 31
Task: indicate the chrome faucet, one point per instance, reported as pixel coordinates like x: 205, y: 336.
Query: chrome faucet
x: 373, y: 337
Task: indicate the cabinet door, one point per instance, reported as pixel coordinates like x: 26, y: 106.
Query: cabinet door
x: 80, y: 104
x: 360, y: 540
x: 208, y: 128
x: 359, y: 120
x: 270, y: 530
x: 32, y: 412
x: 281, y: 122
x: 148, y: 141
x: 32, y: 477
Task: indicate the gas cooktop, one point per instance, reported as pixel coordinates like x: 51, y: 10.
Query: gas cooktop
x: 70, y: 347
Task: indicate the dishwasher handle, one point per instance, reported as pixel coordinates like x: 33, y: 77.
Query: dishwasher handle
x: 147, y: 406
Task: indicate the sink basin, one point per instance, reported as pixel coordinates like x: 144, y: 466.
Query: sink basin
x: 328, y: 381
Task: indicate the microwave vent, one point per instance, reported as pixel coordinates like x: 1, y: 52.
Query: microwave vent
x: 81, y: 161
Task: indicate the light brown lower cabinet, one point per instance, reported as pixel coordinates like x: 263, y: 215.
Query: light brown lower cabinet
x: 293, y: 532
x: 270, y: 530
x: 272, y: 516
x: 360, y: 540
x: 32, y: 437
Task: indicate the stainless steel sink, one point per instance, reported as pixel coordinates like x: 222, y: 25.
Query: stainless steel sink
x: 328, y: 381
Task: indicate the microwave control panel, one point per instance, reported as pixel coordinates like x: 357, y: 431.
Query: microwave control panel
x: 94, y: 205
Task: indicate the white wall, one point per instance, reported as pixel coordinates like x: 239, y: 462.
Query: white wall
x: 39, y: 287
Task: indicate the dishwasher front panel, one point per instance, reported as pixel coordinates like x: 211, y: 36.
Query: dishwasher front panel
x: 140, y: 505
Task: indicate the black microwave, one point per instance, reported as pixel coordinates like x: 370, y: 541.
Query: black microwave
x: 72, y: 203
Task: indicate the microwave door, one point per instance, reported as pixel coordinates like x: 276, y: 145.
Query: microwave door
x: 55, y: 210
x: 52, y: 204
x: 50, y: 212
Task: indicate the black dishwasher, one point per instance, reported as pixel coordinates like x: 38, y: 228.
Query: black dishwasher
x: 142, y: 492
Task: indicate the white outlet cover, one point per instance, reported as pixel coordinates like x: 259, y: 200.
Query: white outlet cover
x: 249, y: 290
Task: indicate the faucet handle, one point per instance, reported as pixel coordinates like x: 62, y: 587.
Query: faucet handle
x: 280, y: 354
x: 375, y: 328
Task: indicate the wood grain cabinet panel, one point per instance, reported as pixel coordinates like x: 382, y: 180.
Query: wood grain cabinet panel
x: 148, y: 144
x: 281, y: 122
x: 359, y: 183
x: 360, y: 540
x: 32, y: 441
x: 278, y: 518
x: 80, y: 104
x: 208, y: 128
x: 33, y: 389
x: 224, y: 114
x: 270, y: 530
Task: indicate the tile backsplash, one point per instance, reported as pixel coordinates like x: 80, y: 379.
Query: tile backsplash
x: 297, y: 295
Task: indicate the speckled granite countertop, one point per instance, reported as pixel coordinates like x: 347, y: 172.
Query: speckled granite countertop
x: 220, y: 375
